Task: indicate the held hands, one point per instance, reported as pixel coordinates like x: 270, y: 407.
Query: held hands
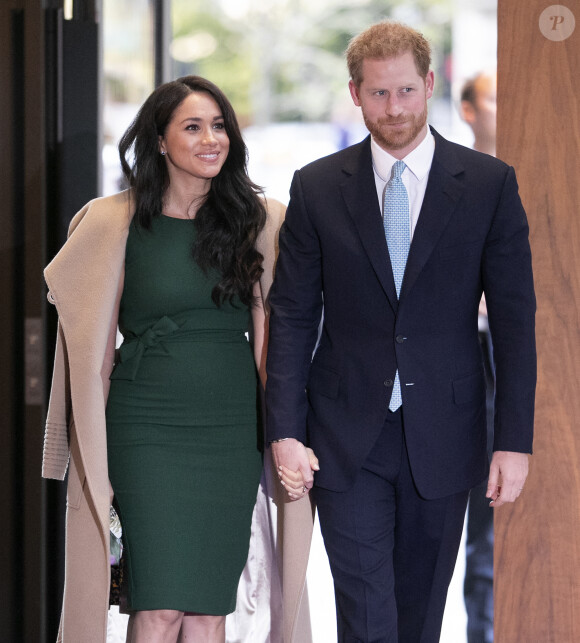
x: 295, y: 465
x: 507, y: 475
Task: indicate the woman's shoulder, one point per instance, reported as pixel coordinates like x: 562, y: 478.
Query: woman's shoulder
x: 267, y: 243
x: 113, y: 210
x: 275, y: 213
x: 97, y: 234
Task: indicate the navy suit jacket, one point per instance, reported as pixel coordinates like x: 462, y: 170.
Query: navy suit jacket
x: 471, y: 236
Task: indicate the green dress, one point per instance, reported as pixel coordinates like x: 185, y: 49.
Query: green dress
x: 181, y: 428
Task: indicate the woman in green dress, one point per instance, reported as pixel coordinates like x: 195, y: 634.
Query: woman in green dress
x: 182, y: 439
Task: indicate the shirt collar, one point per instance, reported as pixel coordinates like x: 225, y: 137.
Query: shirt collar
x: 418, y: 161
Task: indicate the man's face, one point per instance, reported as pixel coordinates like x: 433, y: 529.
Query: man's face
x: 486, y: 108
x: 393, y: 97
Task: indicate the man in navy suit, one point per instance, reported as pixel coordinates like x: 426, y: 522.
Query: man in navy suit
x: 391, y: 395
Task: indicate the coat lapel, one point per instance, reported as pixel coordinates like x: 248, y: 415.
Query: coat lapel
x: 443, y: 192
x: 360, y: 195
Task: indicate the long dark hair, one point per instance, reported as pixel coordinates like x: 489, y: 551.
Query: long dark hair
x: 232, y: 214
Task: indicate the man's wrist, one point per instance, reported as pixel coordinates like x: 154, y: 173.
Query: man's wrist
x: 279, y: 440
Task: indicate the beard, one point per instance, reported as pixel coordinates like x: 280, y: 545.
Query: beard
x: 392, y: 139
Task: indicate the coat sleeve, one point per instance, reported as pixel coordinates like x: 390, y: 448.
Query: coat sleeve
x: 56, y: 447
x: 296, y: 309
x: 290, y: 524
x: 56, y: 451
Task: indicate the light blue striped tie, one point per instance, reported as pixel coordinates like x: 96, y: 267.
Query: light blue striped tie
x: 397, y: 232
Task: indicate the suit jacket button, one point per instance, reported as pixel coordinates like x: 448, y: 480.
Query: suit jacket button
x: 388, y: 383
x: 399, y: 339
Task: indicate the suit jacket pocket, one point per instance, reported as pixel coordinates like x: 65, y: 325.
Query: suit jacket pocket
x: 323, y: 381
x: 469, y: 389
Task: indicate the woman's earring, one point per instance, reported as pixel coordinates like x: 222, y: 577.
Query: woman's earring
x: 162, y: 153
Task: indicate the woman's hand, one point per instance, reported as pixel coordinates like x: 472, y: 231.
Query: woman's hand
x: 297, y: 482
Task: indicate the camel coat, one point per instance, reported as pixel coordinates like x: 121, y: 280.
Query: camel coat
x: 83, y: 280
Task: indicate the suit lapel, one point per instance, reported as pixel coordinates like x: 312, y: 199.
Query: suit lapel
x: 360, y: 196
x: 443, y: 192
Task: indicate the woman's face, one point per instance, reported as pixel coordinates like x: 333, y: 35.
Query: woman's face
x: 195, y: 141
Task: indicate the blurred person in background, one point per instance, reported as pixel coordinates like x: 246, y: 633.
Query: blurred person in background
x: 478, y: 108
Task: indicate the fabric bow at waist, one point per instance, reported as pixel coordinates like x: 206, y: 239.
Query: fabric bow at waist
x: 132, y: 349
x: 165, y: 329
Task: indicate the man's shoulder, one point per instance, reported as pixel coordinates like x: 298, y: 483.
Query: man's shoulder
x: 347, y: 159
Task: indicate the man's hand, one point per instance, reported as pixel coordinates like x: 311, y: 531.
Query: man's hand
x: 507, y: 476
x: 295, y: 465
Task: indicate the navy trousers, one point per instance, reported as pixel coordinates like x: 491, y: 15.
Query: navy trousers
x: 391, y: 552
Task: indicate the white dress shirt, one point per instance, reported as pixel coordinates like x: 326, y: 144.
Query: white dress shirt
x: 414, y: 177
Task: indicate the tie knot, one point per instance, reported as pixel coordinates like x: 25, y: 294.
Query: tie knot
x: 398, y: 169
